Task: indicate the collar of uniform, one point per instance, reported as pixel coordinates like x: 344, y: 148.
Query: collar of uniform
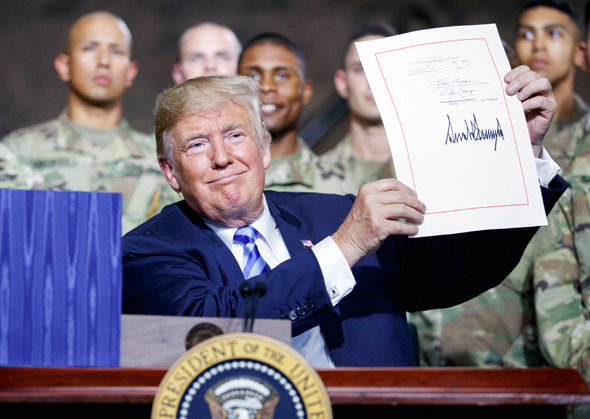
x: 298, y: 168
x: 265, y: 224
x: 583, y: 108
x: 343, y: 149
x: 126, y: 145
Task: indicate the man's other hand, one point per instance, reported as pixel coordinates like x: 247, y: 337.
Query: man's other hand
x: 537, y: 101
x: 374, y: 217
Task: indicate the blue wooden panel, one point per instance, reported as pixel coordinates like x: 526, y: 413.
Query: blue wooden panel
x: 60, y: 278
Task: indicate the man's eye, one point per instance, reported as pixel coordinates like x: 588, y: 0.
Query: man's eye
x: 116, y: 51
x: 195, y: 58
x: 223, y: 56
x: 89, y: 48
x: 281, y: 76
x: 196, y: 145
x: 555, y: 34
x: 527, y: 35
x: 254, y: 76
x: 236, y: 135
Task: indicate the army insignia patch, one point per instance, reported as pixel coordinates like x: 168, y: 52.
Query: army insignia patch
x: 241, y: 376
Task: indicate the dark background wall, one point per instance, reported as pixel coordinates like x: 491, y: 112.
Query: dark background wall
x: 33, y: 32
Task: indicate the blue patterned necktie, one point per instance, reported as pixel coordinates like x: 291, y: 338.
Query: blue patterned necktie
x: 253, y: 262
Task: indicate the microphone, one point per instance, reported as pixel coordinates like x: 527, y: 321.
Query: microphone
x: 259, y: 291
x: 246, y: 292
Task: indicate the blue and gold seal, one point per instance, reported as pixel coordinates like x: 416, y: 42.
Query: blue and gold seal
x: 241, y: 376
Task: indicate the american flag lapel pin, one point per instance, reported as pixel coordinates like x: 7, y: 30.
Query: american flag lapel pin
x: 307, y: 243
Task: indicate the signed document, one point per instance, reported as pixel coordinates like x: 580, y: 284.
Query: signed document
x: 456, y: 137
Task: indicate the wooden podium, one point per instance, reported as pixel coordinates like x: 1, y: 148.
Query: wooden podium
x: 354, y: 392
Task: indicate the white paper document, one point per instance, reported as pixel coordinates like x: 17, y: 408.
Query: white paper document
x: 456, y: 137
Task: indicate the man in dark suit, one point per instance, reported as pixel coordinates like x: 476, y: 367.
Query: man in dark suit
x: 342, y: 269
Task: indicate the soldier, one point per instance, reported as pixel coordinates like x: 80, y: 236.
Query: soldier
x: 363, y: 155
x: 207, y: 49
x: 278, y: 64
x: 90, y: 146
x: 562, y: 274
x: 549, y: 41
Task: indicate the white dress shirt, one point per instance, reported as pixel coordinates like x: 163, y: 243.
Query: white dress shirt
x: 338, y: 278
x: 547, y: 169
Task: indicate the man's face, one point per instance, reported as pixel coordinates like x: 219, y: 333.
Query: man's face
x: 284, y: 90
x: 219, y: 164
x: 547, y: 40
x: 351, y: 83
x: 98, y: 65
x: 207, y: 50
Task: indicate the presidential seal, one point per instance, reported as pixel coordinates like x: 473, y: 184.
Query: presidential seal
x: 241, y: 376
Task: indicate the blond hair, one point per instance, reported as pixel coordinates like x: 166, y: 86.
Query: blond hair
x: 203, y: 94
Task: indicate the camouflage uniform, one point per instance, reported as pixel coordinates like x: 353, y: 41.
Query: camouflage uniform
x: 66, y: 156
x: 352, y: 172
x: 13, y: 174
x: 558, y: 141
x: 499, y: 327
x: 303, y: 171
x: 562, y: 275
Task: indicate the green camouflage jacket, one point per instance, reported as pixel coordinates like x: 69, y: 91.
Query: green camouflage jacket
x: 562, y: 275
x: 65, y: 156
x: 303, y: 171
x: 14, y: 174
x: 558, y: 140
x: 341, y: 166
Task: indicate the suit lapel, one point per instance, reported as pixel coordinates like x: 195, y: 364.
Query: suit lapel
x: 291, y: 229
x: 228, y: 266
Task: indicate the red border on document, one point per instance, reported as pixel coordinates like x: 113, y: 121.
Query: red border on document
x: 404, y: 135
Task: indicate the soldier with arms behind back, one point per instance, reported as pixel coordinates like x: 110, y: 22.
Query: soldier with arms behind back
x: 90, y: 146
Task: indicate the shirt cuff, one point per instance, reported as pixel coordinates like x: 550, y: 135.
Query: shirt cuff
x: 547, y: 169
x: 338, y: 277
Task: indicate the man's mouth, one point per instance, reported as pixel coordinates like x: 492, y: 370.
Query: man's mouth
x: 539, y: 63
x: 268, y: 108
x: 102, y: 80
x: 225, y: 178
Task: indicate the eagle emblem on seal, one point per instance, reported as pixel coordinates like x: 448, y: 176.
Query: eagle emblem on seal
x: 242, y: 397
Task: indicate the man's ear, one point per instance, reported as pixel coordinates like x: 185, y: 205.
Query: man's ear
x: 131, y: 73
x: 266, y: 154
x: 169, y: 173
x: 340, y: 83
x: 62, y: 66
x: 307, y: 92
x: 177, y: 75
x: 580, y: 56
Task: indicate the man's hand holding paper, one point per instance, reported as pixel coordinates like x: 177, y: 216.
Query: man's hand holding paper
x: 375, y: 216
x: 537, y: 100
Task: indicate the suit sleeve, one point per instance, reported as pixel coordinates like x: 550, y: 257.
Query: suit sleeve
x: 444, y: 271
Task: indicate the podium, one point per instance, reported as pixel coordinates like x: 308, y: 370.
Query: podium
x: 354, y: 392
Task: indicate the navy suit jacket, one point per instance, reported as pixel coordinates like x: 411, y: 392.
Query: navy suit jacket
x: 175, y: 265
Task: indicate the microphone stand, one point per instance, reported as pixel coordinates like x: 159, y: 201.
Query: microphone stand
x: 246, y: 292
x: 259, y: 291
